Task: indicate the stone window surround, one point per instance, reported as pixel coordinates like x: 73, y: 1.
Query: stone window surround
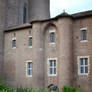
x: 27, y: 68
x: 78, y: 62
x: 49, y: 66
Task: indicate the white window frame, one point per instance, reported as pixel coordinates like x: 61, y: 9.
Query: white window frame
x: 28, y: 41
x: 14, y: 38
x: 30, y: 68
x: 48, y: 66
x: 79, y: 69
x: 84, y: 28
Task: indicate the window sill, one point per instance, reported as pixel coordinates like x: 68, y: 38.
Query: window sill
x: 30, y: 46
x: 14, y: 48
x: 29, y: 75
x: 52, y: 75
x: 83, y: 41
x: 52, y: 43
x: 83, y: 74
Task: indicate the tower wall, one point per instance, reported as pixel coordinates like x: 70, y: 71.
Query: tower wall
x: 2, y: 21
x: 14, y: 12
x: 65, y: 67
x: 39, y: 9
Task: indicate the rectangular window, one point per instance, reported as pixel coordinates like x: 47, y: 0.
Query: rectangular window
x: 14, y: 43
x: 52, y: 67
x: 30, y: 41
x: 83, y: 34
x: 83, y: 62
x: 29, y: 69
x: 52, y: 37
x: 84, y: 65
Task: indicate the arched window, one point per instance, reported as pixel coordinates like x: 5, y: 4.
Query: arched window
x: 50, y: 34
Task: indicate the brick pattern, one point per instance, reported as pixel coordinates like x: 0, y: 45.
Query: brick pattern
x: 66, y: 49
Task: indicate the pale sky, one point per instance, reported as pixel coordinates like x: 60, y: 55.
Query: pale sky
x: 70, y: 6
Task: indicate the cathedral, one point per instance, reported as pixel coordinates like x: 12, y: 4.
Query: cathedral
x: 37, y: 51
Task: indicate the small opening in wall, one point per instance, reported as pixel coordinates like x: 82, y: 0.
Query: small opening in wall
x: 29, y: 31
x: 78, y: 86
x: 52, y: 87
x: 14, y: 34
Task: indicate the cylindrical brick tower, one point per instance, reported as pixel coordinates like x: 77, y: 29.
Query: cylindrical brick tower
x: 65, y: 66
x: 39, y: 9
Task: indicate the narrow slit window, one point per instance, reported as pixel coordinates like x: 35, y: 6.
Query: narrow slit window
x: 14, y: 43
x: 30, y: 41
x: 25, y: 15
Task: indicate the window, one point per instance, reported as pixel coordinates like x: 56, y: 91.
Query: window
x: 24, y: 14
x: 30, y: 41
x: 52, y: 37
x: 83, y: 65
x: 29, y: 68
x: 14, y: 43
x: 52, y: 67
x: 83, y: 34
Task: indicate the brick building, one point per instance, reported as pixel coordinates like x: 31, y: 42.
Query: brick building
x: 48, y: 51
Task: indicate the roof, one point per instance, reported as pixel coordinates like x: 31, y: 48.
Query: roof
x: 22, y: 26
x: 64, y: 14
x: 82, y: 14
x: 73, y: 16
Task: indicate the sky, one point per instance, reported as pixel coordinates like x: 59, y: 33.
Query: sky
x: 70, y: 6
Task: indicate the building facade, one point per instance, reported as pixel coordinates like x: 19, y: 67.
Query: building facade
x: 37, y: 51
x: 54, y: 51
x: 17, y: 12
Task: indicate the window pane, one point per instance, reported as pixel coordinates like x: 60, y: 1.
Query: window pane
x: 54, y: 63
x: 51, y: 63
x: 83, y: 34
x: 81, y: 61
x: 54, y: 70
x: 29, y: 64
x: 13, y: 43
x: 29, y: 71
x: 51, y: 71
x: 81, y: 69
x: 86, y: 69
x: 30, y: 41
x: 52, y: 37
x: 86, y: 61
